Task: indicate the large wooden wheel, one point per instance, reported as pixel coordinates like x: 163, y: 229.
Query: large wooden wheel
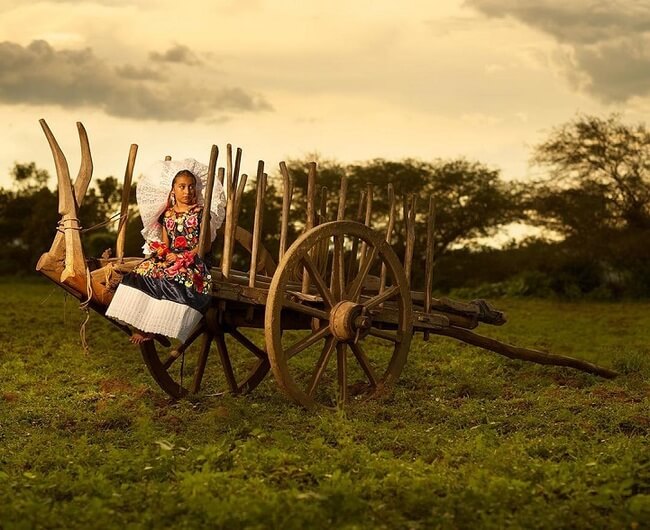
x: 180, y: 368
x: 337, y: 316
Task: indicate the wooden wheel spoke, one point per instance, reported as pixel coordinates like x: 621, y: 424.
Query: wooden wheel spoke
x: 314, y: 275
x: 178, y: 352
x: 305, y: 309
x: 321, y: 365
x: 248, y: 344
x: 393, y: 336
x: 203, y: 359
x: 363, y: 360
x: 381, y: 297
x: 307, y: 341
x: 228, y: 372
x: 357, y: 284
x: 342, y: 371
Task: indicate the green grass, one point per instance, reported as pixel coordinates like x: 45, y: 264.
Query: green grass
x: 468, y: 439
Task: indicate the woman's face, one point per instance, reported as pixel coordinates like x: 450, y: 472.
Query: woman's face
x: 185, y: 190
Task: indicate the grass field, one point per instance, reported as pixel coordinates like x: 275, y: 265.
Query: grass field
x: 468, y: 439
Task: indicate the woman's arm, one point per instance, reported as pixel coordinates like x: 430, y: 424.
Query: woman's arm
x: 171, y: 257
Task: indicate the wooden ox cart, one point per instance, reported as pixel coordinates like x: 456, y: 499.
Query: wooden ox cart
x: 337, y: 310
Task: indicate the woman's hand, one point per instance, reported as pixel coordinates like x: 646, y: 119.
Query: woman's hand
x: 171, y: 257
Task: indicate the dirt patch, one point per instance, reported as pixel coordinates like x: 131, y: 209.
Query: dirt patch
x: 9, y: 396
x: 121, y: 387
x: 615, y: 395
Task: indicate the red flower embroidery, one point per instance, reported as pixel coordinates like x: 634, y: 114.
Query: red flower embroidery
x: 198, y: 282
x: 180, y: 242
x: 158, y: 249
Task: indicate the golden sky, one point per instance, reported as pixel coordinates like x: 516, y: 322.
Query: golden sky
x: 351, y: 80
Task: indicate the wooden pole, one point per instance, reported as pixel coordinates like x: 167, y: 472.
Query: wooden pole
x: 311, y: 199
x: 389, y: 233
x: 525, y: 354
x: 229, y: 165
x: 204, y: 234
x: 124, y: 208
x: 428, y: 271
x: 226, y: 256
x: 287, y: 195
x: 343, y: 192
x: 322, y: 218
x: 259, y: 217
x: 352, y: 269
x: 409, y: 218
x: 235, y: 175
x: 367, y: 222
x: 239, y: 194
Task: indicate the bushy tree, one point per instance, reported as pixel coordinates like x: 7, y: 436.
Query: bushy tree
x: 599, y: 176
x: 597, y: 198
x: 470, y: 198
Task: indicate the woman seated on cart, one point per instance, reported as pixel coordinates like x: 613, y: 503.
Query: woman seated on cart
x: 168, y: 292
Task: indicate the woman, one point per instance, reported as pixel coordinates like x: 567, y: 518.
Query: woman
x: 167, y: 293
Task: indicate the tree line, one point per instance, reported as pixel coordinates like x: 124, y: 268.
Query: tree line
x: 592, y: 206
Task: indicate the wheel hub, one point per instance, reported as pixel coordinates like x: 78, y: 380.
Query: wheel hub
x: 348, y: 321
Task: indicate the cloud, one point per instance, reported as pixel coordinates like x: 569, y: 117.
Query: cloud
x: 40, y: 75
x: 607, y: 44
x: 128, y: 71
x: 177, y: 54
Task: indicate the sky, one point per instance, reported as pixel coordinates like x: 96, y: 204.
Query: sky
x: 350, y: 80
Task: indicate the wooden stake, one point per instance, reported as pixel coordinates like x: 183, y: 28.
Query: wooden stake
x: 226, y: 256
x: 409, y: 218
x: 389, y: 233
x: 321, y: 263
x: 229, y: 166
x: 204, y: 234
x: 343, y: 192
x: 235, y: 175
x: 124, y: 208
x: 311, y: 199
x: 367, y: 222
x: 259, y: 217
x: 287, y: 195
x: 239, y: 194
x: 352, y: 264
x: 428, y: 270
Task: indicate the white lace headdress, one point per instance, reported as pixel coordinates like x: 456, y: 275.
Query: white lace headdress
x: 153, y: 190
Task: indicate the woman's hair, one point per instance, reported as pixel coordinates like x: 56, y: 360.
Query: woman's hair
x: 184, y: 173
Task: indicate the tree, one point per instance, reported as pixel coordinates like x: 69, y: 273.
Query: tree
x: 471, y: 199
x: 597, y: 196
x: 599, y: 176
